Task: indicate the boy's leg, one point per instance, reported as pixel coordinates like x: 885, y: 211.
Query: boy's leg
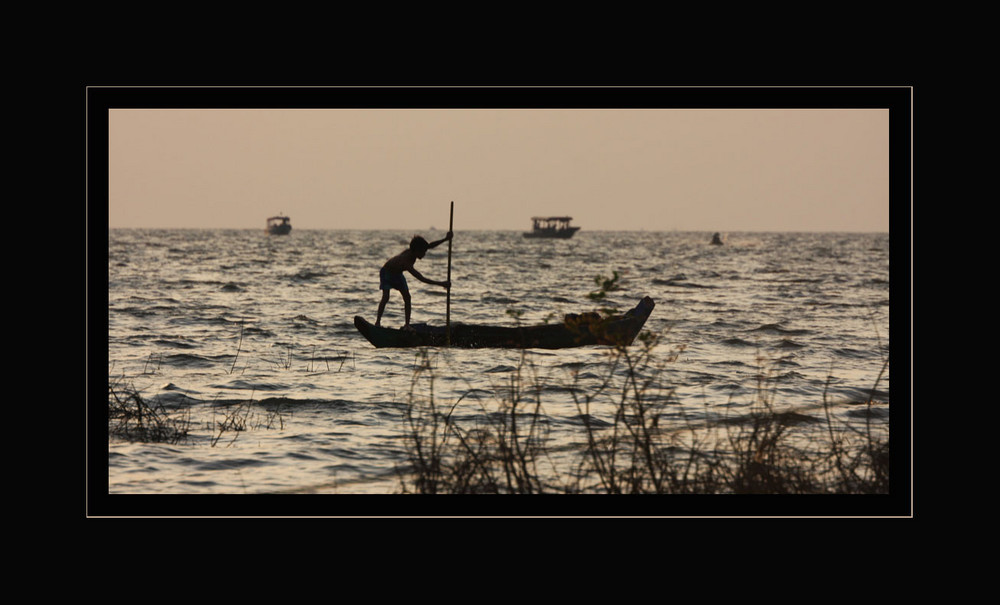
x: 381, y: 307
x: 406, y: 304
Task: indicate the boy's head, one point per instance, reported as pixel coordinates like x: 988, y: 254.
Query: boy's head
x: 419, y: 246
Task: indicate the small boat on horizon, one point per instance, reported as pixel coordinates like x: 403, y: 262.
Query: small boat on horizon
x: 576, y: 330
x: 278, y: 225
x: 551, y: 227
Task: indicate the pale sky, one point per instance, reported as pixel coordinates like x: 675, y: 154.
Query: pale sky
x: 610, y: 169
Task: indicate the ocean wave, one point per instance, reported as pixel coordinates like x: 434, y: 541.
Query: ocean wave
x: 853, y: 353
x: 785, y: 343
x: 228, y: 464
x: 190, y: 360
x: 309, y: 275
x: 174, y: 344
x: 681, y: 283
x: 777, y: 329
x: 497, y: 299
x: 251, y: 385
x: 870, y: 412
x: 588, y: 420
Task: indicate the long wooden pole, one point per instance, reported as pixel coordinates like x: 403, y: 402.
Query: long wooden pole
x: 447, y: 314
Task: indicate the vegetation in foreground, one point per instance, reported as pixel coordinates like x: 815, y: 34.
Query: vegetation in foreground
x: 134, y: 418
x: 632, y: 441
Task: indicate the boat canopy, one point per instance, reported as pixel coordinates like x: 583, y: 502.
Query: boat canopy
x: 550, y: 222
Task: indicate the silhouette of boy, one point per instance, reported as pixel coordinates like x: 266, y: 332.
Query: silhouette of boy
x: 391, y: 274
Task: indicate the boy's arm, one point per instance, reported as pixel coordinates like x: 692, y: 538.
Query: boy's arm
x: 440, y: 241
x: 417, y: 274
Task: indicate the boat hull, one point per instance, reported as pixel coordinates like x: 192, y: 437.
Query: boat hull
x: 574, y: 331
x: 552, y: 233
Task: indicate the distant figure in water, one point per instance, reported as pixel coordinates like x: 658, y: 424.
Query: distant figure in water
x: 391, y: 274
x: 716, y: 240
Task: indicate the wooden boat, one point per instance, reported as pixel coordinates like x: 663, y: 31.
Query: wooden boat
x: 278, y: 225
x: 574, y: 331
x: 551, y: 227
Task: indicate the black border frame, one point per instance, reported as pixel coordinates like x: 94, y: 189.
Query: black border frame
x: 897, y: 99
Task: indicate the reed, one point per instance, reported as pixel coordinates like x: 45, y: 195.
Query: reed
x: 627, y: 445
x: 244, y: 416
x: 499, y: 453
x: 239, y: 347
x: 133, y: 418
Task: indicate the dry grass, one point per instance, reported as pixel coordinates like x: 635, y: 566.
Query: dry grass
x: 132, y: 418
x: 628, y: 444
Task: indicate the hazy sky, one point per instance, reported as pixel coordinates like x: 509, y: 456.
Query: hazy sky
x: 610, y: 169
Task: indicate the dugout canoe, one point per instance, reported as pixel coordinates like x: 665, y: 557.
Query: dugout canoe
x: 576, y: 330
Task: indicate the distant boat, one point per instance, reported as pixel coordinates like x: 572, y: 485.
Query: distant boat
x: 585, y: 329
x: 278, y: 225
x: 551, y: 227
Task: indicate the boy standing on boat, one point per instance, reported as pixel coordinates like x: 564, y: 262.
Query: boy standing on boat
x: 391, y: 274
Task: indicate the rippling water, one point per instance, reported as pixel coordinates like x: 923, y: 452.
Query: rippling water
x: 202, y: 321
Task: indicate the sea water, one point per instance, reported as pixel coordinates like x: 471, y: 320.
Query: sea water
x: 205, y: 322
